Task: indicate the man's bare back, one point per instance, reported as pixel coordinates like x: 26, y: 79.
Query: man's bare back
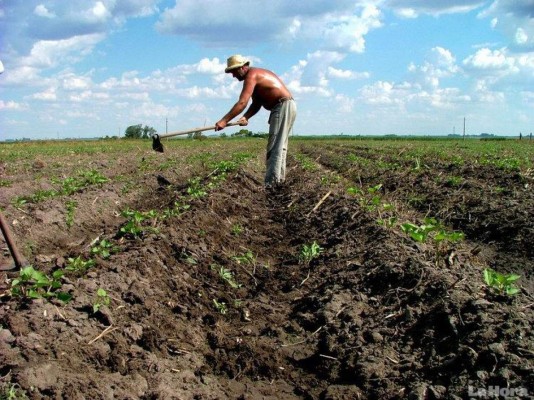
x: 268, y: 88
x: 262, y: 86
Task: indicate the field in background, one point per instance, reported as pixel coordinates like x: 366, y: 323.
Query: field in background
x: 382, y: 269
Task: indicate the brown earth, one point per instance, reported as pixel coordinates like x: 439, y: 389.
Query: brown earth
x: 374, y: 316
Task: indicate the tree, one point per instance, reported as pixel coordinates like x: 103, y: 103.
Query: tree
x: 133, y: 132
x: 139, y: 132
x: 148, y: 131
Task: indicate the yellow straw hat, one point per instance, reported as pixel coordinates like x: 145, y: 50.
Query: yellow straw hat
x: 235, y: 62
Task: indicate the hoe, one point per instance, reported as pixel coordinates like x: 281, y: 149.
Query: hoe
x: 17, y: 257
x: 156, y: 139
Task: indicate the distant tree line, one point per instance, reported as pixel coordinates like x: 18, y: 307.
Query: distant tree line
x: 139, y: 132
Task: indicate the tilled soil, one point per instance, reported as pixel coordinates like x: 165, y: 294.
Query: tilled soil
x: 375, y: 315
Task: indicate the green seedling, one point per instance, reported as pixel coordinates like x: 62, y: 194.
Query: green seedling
x: 309, y: 251
x: 18, y: 202
x: 34, y: 284
x: 79, y: 265
x: 133, y: 227
x: 220, y: 306
x: 354, y: 191
x: 236, y: 229
x: 103, y: 249
x: 102, y: 299
x: 501, y: 283
x: 71, y: 207
x: 247, y: 258
x: 93, y: 177
x: 420, y: 233
x: 195, y: 188
x: 226, y: 275
x: 177, y: 209
x: 387, y: 222
x: 12, y: 392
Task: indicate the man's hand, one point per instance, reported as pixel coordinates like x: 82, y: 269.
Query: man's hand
x: 243, y: 121
x: 219, y: 126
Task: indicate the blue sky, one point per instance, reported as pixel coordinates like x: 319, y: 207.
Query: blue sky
x: 92, y: 68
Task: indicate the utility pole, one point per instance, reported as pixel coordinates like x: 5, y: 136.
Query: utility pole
x: 166, y: 125
x: 464, y: 128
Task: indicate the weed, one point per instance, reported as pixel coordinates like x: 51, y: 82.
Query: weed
x: 195, y: 188
x: 103, y: 249
x: 133, y: 227
x: 246, y: 258
x: 35, y: 284
x: 226, y: 275
x: 71, y: 207
x: 420, y: 233
x: 387, y: 222
x: 354, y: 191
x: 309, y: 251
x: 12, y: 392
x: 236, y: 229
x: 220, y: 306
x: 306, y: 163
x: 18, y: 202
x: 79, y: 265
x: 454, y: 181
x: 501, y: 283
x: 102, y: 299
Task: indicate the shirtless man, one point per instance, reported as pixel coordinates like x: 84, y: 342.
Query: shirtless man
x: 267, y: 90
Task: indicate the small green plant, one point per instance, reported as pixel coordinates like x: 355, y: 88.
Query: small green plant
x: 195, y: 188
x: 420, y: 233
x: 34, y: 284
x: 236, y: 229
x: 102, y: 299
x: 309, y: 251
x: 454, y: 181
x: 354, y: 191
x: 18, y: 202
x: 71, y: 207
x: 246, y: 258
x: 306, y: 163
x: 103, y: 249
x: 387, y: 222
x: 501, y: 283
x: 226, y: 275
x: 79, y: 265
x: 134, y: 226
x: 220, y: 306
x: 12, y: 392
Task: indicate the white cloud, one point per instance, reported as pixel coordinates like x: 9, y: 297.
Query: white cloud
x: 346, y: 74
x: 47, y: 95
x: 42, y: 11
x: 440, y: 63
x: 486, y: 59
x: 11, y: 105
x: 339, y: 24
x: 414, y: 8
x: 50, y: 53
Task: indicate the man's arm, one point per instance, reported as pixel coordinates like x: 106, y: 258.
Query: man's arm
x: 244, y: 97
x: 252, y: 110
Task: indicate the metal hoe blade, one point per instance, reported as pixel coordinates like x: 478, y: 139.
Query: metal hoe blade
x: 156, y: 144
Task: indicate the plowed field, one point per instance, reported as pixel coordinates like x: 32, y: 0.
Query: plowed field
x: 178, y: 276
